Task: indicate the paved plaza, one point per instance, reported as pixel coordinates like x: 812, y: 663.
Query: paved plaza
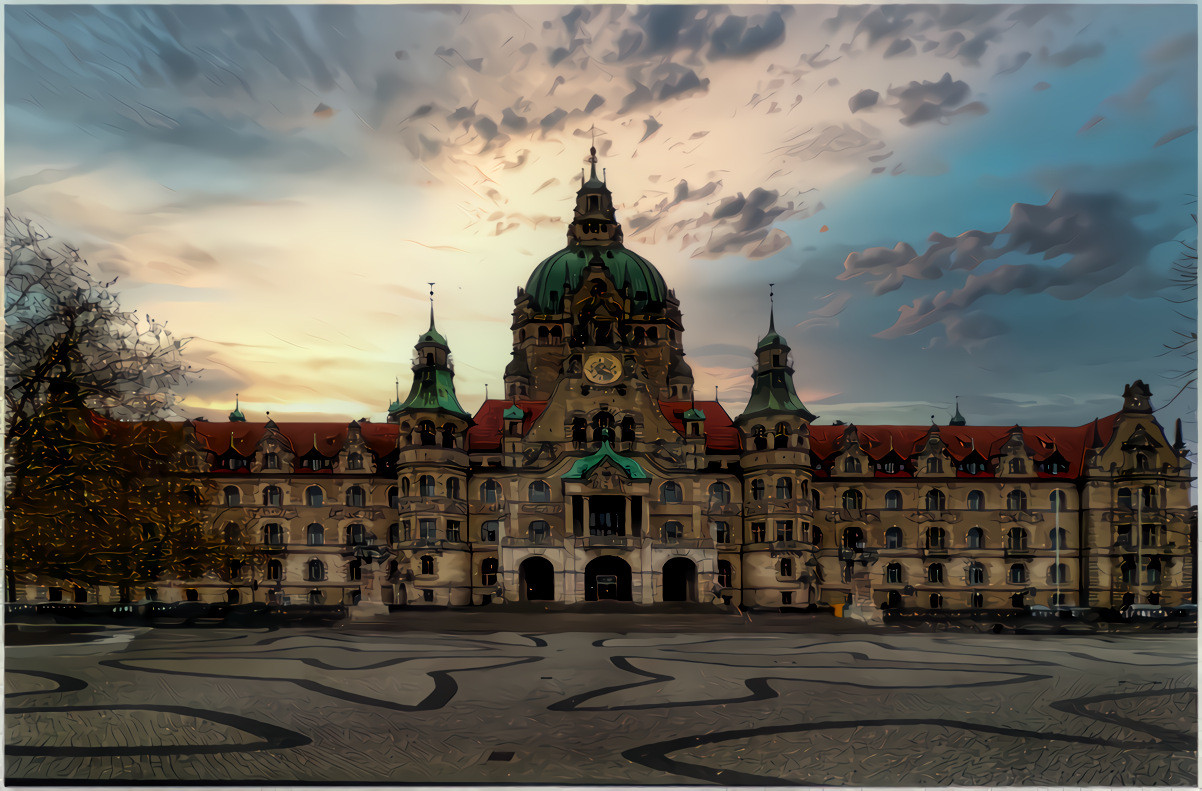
x: 606, y: 699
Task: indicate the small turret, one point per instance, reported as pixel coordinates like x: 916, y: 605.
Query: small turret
x: 958, y: 419
x: 772, y: 390
x: 433, y: 387
x: 236, y: 416
x: 1137, y: 397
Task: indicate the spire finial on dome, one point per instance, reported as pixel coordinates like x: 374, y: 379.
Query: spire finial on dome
x: 771, y: 317
x: 958, y: 419
x: 431, y: 305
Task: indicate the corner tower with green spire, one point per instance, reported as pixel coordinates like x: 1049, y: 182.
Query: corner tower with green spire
x: 433, y: 390
x: 774, y: 428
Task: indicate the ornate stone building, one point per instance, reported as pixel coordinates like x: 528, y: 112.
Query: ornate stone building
x: 601, y: 476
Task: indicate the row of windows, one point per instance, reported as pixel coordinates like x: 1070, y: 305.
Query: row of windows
x: 356, y: 496
x: 271, y: 461
x: 936, y: 500
x: 1017, y: 574
x: 974, y: 465
x: 938, y: 538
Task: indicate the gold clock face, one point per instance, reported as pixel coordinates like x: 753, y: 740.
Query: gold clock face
x: 603, y: 369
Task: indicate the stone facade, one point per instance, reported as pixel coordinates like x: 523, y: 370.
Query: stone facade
x: 600, y: 476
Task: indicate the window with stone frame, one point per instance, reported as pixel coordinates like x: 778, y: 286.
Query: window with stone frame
x: 427, y: 529
x: 232, y: 496
x: 720, y: 531
x: 453, y: 530
x: 673, y: 531
x: 540, y: 492
x: 488, y: 531
x: 670, y: 492
x: 757, y: 532
x: 893, y: 538
x: 784, y: 530
x: 356, y: 497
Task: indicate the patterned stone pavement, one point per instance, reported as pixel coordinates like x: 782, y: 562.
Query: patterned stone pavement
x: 362, y: 703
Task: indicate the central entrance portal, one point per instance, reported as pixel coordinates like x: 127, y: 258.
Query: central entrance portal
x: 680, y: 580
x: 537, y: 579
x: 607, y: 577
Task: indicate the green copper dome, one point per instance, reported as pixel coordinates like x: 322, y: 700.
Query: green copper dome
x: 626, y: 269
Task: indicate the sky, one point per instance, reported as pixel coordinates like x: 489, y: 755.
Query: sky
x: 981, y: 202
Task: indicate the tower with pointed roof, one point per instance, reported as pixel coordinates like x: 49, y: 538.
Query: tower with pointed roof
x: 778, y: 555
x: 432, y: 473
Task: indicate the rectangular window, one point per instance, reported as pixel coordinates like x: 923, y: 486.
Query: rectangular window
x: 786, y: 597
x: 452, y: 530
x: 784, y: 531
x: 428, y: 595
x: 805, y: 531
x: 757, y: 532
x: 721, y: 532
x: 1150, y: 535
x: 1122, y: 535
x: 428, y: 529
x: 488, y: 531
x: 407, y: 529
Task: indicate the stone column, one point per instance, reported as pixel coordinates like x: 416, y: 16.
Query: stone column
x: 627, y: 526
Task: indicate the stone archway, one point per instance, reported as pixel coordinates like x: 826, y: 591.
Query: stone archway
x: 607, y: 577
x: 537, y: 579
x: 680, y: 580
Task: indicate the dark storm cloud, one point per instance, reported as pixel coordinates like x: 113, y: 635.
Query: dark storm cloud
x: 934, y: 101
x: 737, y: 37
x: 1072, y: 54
x: 1094, y: 233
x: 863, y: 99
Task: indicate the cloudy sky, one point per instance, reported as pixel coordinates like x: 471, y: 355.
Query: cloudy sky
x: 979, y: 201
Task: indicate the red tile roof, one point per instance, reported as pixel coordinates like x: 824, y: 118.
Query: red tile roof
x: 720, y: 432
x: 1043, y: 441
x: 327, y: 438
x: 489, y: 424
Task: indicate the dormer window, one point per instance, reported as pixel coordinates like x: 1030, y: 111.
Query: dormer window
x: 934, y: 465
x: 1018, y: 466
x: 593, y: 203
x: 851, y: 465
x: 354, y: 461
x: 271, y: 461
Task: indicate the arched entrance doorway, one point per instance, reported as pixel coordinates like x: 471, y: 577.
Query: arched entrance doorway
x: 680, y: 580
x: 607, y: 577
x: 537, y: 577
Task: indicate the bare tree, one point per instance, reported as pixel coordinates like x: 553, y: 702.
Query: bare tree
x: 1184, y: 345
x: 96, y: 489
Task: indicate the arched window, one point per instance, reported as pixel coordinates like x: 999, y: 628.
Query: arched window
x: 425, y: 486
x: 453, y: 488
x: 976, y: 574
x: 490, y: 491
x: 232, y: 533
x: 427, y: 564
x: 784, y: 488
x: 817, y: 531
x: 1018, y: 466
x: 976, y: 501
x: 817, y: 498
x: 275, y: 570
x: 719, y: 493
x: 670, y: 492
x: 232, y: 495
x: 425, y: 433
x: 1059, y: 538
x: 488, y: 530
x: 780, y: 438
x: 1124, y: 498
x: 579, y: 430
x: 539, y: 530
x: 757, y: 489
x: 759, y: 438
x: 851, y: 464
x: 893, y: 574
x: 556, y: 334
x: 1016, y: 538
x: 893, y: 500
x: 1016, y: 501
x: 786, y: 567
x: 936, y: 538
x: 271, y: 461
x: 673, y: 531
x: 393, y: 500
x: 853, y: 538
x: 1152, y: 572
x: 488, y: 571
x: 354, y: 571
x: 603, y: 426
x: 356, y: 497
x: 273, y: 495
x: 316, y: 571
x: 404, y: 487
x: 976, y: 538
x: 354, y: 461
x: 314, y: 496
x: 273, y: 535
x: 1141, y: 462
x: 1018, y: 574
x: 394, y: 533
x: 1057, y: 500
x: 934, y: 465
x: 935, y: 500
x: 1127, y: 570
x: 726, y: 574
x: 315, y: 535
x: 893, y: 538
x: 936, y: 601
x: 1147, y: 496
x: 1059, y: 573
x: 853, y: 499
x: 935, y: 573
x: 356, y: 535
x: 628, y: 429
x: 976, y: 599
x: 540, y: 492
